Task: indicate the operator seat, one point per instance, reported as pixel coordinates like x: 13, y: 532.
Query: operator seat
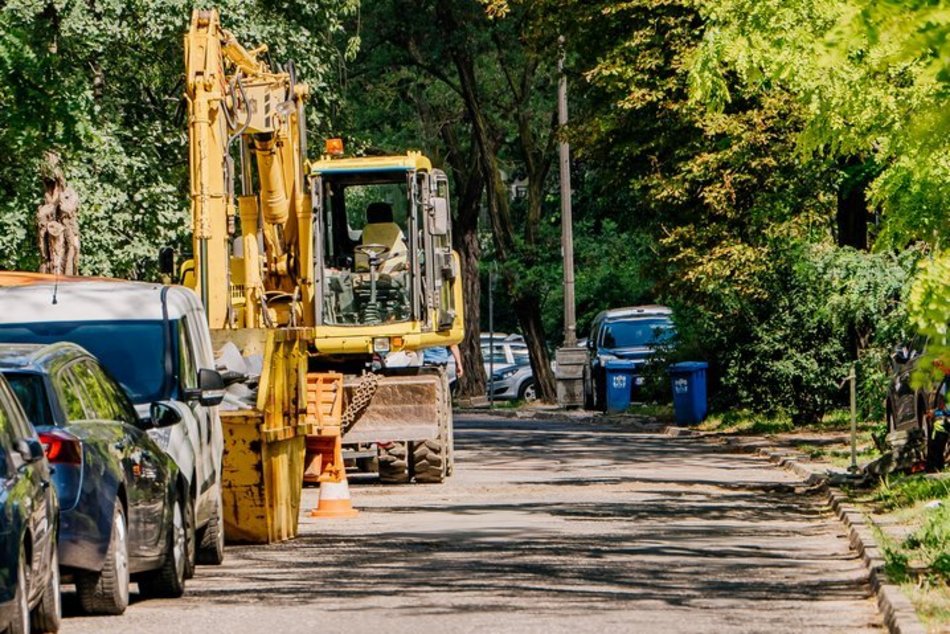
x: 380, y: 229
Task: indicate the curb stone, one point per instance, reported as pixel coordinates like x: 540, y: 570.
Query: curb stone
x: 897, y: 610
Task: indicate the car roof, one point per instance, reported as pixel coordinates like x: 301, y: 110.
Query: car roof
x: 38, y: 357
x: 650, y: 310
x: 33, y: 297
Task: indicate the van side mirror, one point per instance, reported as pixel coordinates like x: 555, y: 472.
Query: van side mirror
x: 163, y: 415
x: 211, y: 386
x: 439, y: 220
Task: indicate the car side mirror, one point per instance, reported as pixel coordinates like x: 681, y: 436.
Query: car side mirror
x: 30, y: 449
x: 163, y: 415
x: 211, y: 385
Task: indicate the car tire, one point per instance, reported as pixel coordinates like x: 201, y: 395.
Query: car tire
x: 107, y: 591
x: 211, y: 549
x: 169, y: 580
x: 20, y: 624
x: 528, y: 392
x: 190, y: 539
x: 48, y: 613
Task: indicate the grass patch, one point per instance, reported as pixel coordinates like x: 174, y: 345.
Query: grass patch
x: 901, y: 491
x: 932, y: 604
x: 742, y: 421
x: 840, y: 455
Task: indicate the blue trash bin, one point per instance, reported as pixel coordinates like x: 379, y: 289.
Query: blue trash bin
x: 689, y: 391
x: 619, y: 375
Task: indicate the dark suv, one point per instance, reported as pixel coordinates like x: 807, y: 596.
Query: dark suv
x: 633, y: 334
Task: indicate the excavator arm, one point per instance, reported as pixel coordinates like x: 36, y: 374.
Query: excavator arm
x: 237, y: 103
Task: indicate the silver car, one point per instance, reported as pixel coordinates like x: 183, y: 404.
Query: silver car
x: 508, y: 369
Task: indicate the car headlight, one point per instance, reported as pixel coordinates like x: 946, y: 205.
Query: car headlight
x: 505, y: 374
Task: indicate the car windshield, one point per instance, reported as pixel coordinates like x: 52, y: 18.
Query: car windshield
x: 132, y: 351
x: 31, y: 392
x: 636, y: 333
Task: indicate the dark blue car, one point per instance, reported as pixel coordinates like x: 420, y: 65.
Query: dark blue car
x: 29, y: 572
x: 121, y: 497
x: 631, y: 334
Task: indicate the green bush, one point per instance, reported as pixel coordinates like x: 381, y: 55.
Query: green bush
x: 786, y: 347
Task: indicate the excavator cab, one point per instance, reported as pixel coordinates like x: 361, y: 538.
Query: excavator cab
x: 385, y: 257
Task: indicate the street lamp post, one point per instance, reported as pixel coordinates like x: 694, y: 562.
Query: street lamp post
x: 571, y: 361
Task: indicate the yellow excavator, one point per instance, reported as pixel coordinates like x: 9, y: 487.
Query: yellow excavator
x: 334, y: 274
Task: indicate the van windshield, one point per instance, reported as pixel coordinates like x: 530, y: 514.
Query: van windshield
x: 132, y: 351
x: 636, y: 333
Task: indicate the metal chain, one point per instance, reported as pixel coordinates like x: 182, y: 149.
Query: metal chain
x: 362, y: 396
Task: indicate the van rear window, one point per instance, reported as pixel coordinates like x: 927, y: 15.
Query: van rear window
x: 131, y: 351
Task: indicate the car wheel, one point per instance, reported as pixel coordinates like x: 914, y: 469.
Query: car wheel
x: 169, y: 580
x: 211, y: 549
x: 528, y: 393
x: 107, y: 591
x: 49, y: 612
x: 190, y: 543
x: 20, y: 624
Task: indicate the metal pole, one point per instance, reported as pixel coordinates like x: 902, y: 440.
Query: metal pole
x: 853, y: 377
x: 491, y: 336
x: 567, y: 223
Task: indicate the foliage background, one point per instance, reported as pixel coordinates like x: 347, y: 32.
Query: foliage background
x: 716, y: 147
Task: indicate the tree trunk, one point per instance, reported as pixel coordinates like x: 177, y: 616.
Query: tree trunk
x: 525, y: 303
x: 57, y: 221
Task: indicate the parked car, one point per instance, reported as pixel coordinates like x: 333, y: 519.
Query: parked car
x: 508, y: 368
x: 632, y: 333
x: 122, y: 499
x: 906, y: 405
x: 29, y: 521
x: 154, y: 340
x: 908, y: 409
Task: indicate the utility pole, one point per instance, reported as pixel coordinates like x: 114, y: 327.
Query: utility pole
x: 567, y: 221
x: 571, y: 360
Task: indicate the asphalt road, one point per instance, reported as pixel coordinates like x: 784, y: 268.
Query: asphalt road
x: 546, y: 527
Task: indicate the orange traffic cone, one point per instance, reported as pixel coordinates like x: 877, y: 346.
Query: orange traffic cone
x: 334, y: 501
x: 334, y: 490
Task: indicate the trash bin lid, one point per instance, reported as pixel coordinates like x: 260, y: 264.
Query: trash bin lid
x: 620, y: 364
x: 688, y: 366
